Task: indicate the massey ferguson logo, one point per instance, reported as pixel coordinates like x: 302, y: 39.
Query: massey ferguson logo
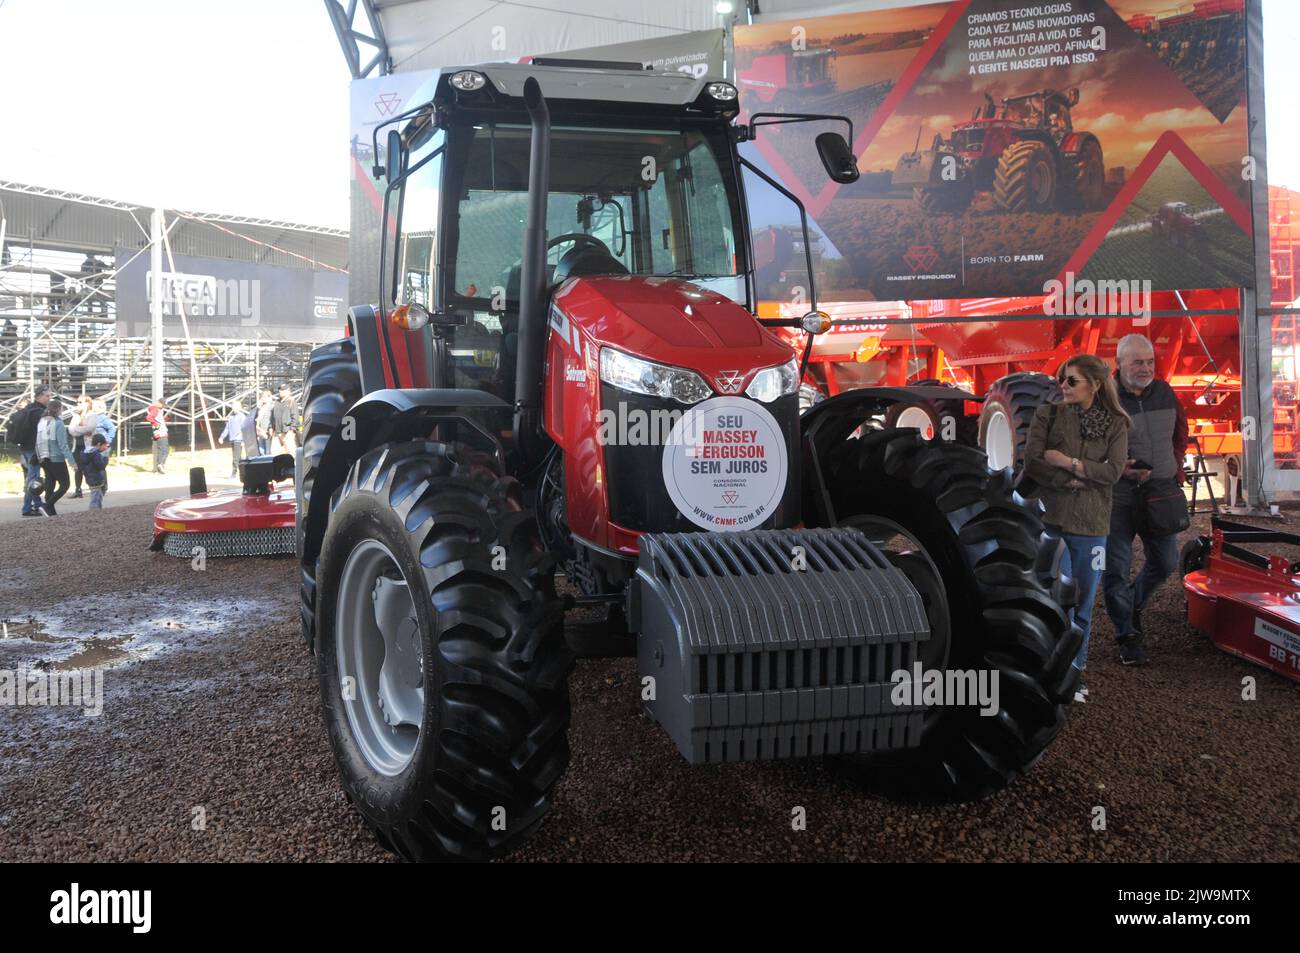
x: 921, y: 258
x: 387, y: 103
x: 729, y: 382
x: 730, y: 497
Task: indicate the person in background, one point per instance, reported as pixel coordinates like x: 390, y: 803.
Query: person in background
x: 284, y: 420
x: 94, y: 462
x: 25, y: 422
x: 264, y: 423
x: 251, y: 447
x: 55, y: 454
x: 1158, y: 440
x: 1076, y: 451
x: 234, y: 433
x: 85, y: 421
x: 157, y: 417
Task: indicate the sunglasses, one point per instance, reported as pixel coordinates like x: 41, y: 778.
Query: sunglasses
x: 1072, y: 381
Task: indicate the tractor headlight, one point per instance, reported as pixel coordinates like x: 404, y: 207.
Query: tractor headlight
x: 774, y: 382
x: 655, y: 380
x: 722, y: 92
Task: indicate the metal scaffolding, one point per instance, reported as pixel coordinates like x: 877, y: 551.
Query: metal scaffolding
x: 60, y: 258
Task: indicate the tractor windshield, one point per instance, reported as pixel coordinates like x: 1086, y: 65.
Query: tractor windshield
x: 660, y: 201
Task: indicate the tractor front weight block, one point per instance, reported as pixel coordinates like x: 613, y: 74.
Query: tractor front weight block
x: 775, y: 643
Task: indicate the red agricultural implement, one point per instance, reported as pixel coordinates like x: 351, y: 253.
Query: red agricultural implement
x: 1247, y: 603
x: 255, y: 520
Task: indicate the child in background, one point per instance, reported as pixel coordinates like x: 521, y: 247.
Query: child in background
x: 94, y: 464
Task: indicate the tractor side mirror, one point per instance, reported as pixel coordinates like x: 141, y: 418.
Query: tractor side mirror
x: 395, y: 160
x: 837, y: 158
x: 1074, y: 96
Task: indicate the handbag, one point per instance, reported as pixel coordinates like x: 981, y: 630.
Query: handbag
x: 1161, y: 508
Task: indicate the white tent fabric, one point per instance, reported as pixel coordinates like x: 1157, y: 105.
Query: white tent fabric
x: 427, y: 34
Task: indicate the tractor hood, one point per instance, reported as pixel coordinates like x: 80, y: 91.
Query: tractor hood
x: 671, y: 321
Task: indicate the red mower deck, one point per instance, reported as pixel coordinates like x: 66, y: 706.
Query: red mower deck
x: 1247, y: 603
x: 257, y: 520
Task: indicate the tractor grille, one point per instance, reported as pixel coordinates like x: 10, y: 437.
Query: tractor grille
x: 755, y: 659
x: 249, y: 542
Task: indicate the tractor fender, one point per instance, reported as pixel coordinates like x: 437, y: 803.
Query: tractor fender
x: 394, y: 416
x: 1075, y: 141
x: 830, y: 422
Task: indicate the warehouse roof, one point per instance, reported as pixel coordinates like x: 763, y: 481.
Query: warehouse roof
x: 53, y: 218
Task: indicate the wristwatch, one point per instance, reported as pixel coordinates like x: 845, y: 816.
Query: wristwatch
x: 1074, y: 467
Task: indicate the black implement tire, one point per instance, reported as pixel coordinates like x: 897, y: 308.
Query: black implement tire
x: 1195, y: 554
x: 495, y: 715
x: 332, y: 386
x: 952, y: 200
x: 1087, y: 178
x: 1025, y: 180
x: 1012, y: 402
x: 964, y: 430
x: 985, y: 545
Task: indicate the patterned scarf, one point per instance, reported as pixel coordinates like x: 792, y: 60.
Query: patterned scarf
x: 1094, y: 423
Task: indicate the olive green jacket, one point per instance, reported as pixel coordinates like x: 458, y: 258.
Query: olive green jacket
x: 1084, y: 512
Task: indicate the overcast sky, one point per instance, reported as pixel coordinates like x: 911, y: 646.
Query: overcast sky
x: 240, y: 106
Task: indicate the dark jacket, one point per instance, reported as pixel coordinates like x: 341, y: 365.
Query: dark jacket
x: 93, y: 465
x: 284, y: 415
x: 1159, y: 435
x: 34, y: 411
x: 1084, y: 512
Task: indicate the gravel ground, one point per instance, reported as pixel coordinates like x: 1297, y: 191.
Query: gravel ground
x: 211, y: 704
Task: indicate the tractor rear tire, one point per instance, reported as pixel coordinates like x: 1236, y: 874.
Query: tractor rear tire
x: 332, y: 386
x: 985, y: 545
x: 1025, y: 180
x: 476, y: 775
x: 1087, y: 172
x: 1009, y: 408
x: 949, y: 201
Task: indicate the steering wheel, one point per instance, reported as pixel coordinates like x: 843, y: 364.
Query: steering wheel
x: 580, y: 238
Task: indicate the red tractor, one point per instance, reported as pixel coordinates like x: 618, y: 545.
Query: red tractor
x: 1175, y: 223
x: 1025, y: 152
x: 783, y: 79
x: 564, y: 376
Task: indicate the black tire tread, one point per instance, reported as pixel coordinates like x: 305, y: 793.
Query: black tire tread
x: 985, y: 541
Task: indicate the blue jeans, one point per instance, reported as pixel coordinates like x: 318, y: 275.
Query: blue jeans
x: 1122, y: 597
x: 32, y: 469
x: 1084, y: 557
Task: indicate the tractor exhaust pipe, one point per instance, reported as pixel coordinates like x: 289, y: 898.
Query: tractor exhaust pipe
x: 532, y: 277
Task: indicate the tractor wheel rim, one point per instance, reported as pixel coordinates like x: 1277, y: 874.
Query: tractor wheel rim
x: 379, y: 646
x: 917, y: 418
x: 999, y: 443
x: 904, y: 550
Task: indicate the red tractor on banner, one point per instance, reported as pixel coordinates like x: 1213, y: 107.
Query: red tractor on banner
x: 1175, y: 223
x: 781, y: 80
x: 592, y: 394
x: 1025, y: 152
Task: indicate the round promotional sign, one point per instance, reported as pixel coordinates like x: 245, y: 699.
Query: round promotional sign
x: 725, y: 464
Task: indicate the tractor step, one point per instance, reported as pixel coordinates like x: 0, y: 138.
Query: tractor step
x: 775, y: 643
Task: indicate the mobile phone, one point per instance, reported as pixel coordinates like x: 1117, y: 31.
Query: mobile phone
x: 1140, y: 465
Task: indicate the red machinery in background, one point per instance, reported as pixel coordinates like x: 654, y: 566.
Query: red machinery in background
x: 1247, y: 603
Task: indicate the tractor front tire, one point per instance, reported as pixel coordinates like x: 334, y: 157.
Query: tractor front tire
x: 332, y: 386
x: 465, y: 773
x: 1025, y: 180
x: 985, y: 546
x: 1008, y: 411
x: 948, y: 201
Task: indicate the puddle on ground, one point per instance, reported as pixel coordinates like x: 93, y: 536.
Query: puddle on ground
x: 60, y: 642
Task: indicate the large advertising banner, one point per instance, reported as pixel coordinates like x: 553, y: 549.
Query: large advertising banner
x: 1005, y: 146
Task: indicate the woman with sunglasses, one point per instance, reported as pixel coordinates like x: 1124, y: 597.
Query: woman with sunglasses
x: 1076, y: 453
